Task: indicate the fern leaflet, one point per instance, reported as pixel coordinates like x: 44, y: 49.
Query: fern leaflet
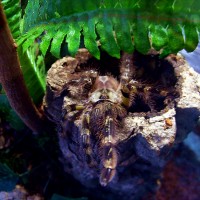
x: 165, y: 25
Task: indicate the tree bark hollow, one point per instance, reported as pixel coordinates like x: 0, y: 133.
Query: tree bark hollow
x: 147, y: 136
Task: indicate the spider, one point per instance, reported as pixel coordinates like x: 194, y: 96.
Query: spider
x: 101, y: 102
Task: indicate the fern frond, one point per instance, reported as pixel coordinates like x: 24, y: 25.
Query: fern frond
x: 33, y: 69
x: 165, y: 25
x: 13, y: 12
x: 33, y: 75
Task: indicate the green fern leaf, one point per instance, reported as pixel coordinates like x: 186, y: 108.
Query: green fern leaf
x: 104, y: 29
x: 122, y: 29
x: 175, y: 41
x: 165, y: 25
x: 57, y: 40
x: 158, y: 36
x: 33, y: 69
x: 31, y: 39
x: 13, y: 13
x: 141, y: 33
x: 90, y: 36
x: 46, y: 40
x: 191, y: 37
x: 73, y: 36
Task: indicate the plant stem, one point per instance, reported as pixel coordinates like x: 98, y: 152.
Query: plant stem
x: 12, y: 79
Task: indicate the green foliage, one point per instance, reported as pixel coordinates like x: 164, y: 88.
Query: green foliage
x: 32, y: 65
x: 7, y: 113
x: 13, y: 13
x: 165, y: 25
x: 32, y: 62
x: 8, y: 178
x: 33, y: 69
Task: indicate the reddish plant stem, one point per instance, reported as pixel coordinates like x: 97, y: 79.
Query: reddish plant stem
x: 12, y: 79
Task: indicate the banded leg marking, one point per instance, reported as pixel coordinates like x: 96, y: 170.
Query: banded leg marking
x: 74, y: 107
x: 71, y: 111
x: 85, y: 138
x: 109, y: 153
x: 127, y: 68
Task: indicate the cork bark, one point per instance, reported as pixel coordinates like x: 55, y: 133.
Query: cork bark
x: 145, y: 140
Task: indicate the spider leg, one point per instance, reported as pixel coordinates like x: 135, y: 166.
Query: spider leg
x: 148, y: 98
x: 129, y: 95
x: 133, y: 93
x: 127, y: 70
x: 72, y: 111
x: 109, y: 152
x: 69, y: 113
x: 85, y: 138
x: 74, y: 107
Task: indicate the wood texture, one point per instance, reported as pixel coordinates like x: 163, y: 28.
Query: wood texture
x: 12, y: 80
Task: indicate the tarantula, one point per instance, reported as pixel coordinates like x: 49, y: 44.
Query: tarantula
x: 101, y: 102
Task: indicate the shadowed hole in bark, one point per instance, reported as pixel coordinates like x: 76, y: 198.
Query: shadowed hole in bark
x: 155, y: 79
x: 141, y: 134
